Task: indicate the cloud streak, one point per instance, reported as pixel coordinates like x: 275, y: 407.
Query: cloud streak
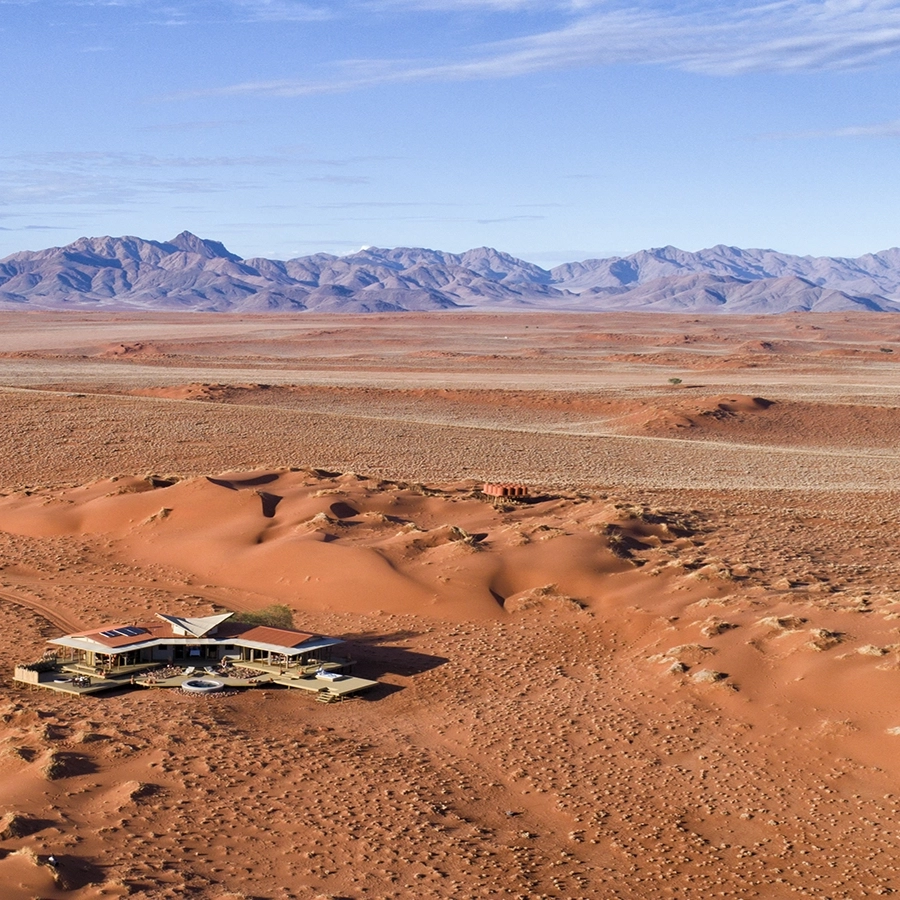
x: 283, y: 11
x: 106, y: 159
x: 879, y: 130
x: 485, y: 5
x: 506, y: 219
x: 340, y: 179
x: 740, y: 38
x: 36, y: 228
x: 110, y: 177
x: 39, y: 188
x: 200, y: 125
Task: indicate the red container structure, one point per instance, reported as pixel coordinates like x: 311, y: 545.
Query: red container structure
x: 505, y: 490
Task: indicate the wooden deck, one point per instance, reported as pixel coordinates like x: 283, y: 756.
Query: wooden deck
x: 304, y: 677
x: 65, y: 683
x: 81, y: 679
x: 343, y: 687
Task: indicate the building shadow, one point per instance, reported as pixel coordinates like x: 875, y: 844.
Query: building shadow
x: 377, y: 655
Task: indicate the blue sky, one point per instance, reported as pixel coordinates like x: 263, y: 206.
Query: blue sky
x: 552, y: 130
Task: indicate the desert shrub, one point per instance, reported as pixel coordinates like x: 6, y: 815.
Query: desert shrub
x: 275, y: 616
x: 13, y: 825
x: 55, y: 767
x: 42, y: 665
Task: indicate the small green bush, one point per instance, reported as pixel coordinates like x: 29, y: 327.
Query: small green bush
x: 275, y: 616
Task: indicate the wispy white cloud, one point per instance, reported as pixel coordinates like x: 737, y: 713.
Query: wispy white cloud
x: 384, y: 204
x: 284, y: 11
x: 124, y: 3
x: 38, y: 188
x: 505, y: 219
x: 112, y: 177
x: 113, y: 160
x: 721, y: 40
x: 183, y: 12
x: 201, y: 125
x: 36, y: 228
x: 487, y: 5
x: 879, y: 130
x: 885, y: 129
x: 340, y: 179
x: 97, y: 160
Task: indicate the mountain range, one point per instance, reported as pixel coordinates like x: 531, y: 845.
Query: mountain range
x: 190, y: 273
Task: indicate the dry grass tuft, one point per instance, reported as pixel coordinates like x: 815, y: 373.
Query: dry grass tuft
x: 29, y: 854
x: 708, y: 676
x: 823, y: 639
x: 714, y: 626
x: 782, y: 623
x: 54, y: 767
x: 13, y: 825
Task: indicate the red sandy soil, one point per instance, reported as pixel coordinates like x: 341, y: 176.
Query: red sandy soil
x: 670, y: 674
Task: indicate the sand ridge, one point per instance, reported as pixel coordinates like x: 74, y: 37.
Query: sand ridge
x: 370, y: 543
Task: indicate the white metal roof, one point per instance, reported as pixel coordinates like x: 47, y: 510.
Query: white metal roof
x: 196, y: 626
x: 316, y: 644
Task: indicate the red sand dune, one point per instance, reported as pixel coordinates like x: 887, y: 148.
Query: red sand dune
x: 392, y: 551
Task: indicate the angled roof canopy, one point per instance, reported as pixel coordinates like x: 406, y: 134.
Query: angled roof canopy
x: 197, y: 626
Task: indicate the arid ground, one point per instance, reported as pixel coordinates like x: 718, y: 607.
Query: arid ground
x: 672, y: 672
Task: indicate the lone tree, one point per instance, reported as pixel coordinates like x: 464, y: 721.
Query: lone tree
x: 674, y: 381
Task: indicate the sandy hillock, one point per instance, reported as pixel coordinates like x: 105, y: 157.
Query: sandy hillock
x: 354, y: 544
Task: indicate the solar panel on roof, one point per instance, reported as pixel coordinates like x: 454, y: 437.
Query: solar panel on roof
x: 132, y: 630
x: 110, y: 634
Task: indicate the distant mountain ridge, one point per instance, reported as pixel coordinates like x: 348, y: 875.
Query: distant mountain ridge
x: 191, y: 273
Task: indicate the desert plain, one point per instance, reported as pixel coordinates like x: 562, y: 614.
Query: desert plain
x: 672, y: 672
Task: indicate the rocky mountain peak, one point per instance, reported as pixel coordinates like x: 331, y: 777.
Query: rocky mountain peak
x: 190, y: 243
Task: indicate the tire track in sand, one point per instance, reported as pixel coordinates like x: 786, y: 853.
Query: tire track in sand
x: 67, y: 623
